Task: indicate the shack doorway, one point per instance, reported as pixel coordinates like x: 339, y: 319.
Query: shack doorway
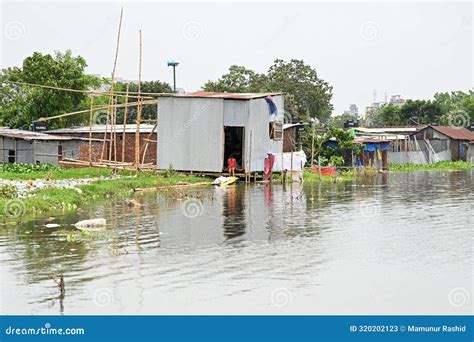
x: 233, y: 146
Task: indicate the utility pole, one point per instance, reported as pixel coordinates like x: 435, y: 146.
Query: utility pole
x: 174, y: 64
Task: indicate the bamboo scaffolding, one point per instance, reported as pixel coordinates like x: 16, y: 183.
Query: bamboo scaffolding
x: 90, y: 92
x: 112, y: 83
x: 139, y: 109
x: 147, y: 141
x: 121, y: 105
x: 124, y: 124
x: 90, y: 129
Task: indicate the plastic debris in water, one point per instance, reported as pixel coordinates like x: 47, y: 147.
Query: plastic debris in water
x: 93, y: 224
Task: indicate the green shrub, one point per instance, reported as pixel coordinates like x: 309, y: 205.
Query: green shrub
x: 28, y: 168
x: 8, y: 191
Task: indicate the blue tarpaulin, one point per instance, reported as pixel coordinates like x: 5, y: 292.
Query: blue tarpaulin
x: 371, y: 147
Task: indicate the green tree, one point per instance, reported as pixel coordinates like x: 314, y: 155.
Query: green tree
x: 307, y: 95
x: 314, y: 140
x: 239, y: 79
x: 21, y: 105
x: 421, y: 112
x: 457, y: 107
x: 149, y: 112
x: 339, y: 120
x: 312, y: 95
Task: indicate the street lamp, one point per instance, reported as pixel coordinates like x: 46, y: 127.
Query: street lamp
x: 174, y: 64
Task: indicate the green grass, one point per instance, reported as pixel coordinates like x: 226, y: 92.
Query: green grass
x: 48, y: 200
x: 59, y: 173
x: 439, y: 166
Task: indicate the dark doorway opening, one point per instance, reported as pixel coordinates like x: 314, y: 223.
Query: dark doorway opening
x: 11, y: 156
x: 233, y: 146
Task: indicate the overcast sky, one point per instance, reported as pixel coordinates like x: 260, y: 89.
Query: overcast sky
x: 407, y: 48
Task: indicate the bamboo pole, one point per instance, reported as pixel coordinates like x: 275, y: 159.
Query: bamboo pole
x: 112, y: 83
x: 124, y: 124
x: 122, y: 105
x: 139, y: 109
x: 90, y: 130
x: 147, y: 141
x: 91, y: 92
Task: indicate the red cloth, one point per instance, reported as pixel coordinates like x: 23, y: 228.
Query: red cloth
x: 231, y: 164
x: 325, y: 170
x: 268, y: 166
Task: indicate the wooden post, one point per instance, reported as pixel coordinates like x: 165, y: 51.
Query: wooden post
x: 319, y: 168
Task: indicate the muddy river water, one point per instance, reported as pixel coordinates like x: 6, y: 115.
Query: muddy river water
x: 399, y: 243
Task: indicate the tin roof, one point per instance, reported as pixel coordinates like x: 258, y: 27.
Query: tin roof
x: 409, y: 129
x: 370, y: 140
x: 129, y: 128
x: 229, y: 96
x: 456, y: 133
x: 30, y: 135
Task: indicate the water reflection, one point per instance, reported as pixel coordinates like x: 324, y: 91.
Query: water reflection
x: 312, y: 239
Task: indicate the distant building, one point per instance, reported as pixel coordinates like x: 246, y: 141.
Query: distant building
x: 148, y: 137
x: 397, y: 100
x: 19, y: 146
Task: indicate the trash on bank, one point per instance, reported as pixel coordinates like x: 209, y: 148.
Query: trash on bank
x: 224, y: 181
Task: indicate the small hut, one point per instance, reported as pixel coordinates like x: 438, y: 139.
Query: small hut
x: 199, y: 131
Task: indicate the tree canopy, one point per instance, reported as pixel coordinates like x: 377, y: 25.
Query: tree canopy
x: 20, y: 105
x: 455, y: 108
x: 307, y: 96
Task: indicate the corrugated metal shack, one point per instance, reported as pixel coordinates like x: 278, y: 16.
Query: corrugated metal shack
x: 18, y: 146
x: 444, y: 143
x: 199, y: 131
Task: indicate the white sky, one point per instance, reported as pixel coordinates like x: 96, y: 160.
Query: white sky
x: 407, y: 48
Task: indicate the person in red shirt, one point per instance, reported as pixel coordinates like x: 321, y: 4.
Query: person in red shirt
x: 231, y: 165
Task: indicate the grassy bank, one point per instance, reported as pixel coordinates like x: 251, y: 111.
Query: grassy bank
x: 439, y: 166
x: 48, y: 200
x: 46, y: 171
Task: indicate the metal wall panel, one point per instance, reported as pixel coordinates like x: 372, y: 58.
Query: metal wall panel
x: 236, y: 113
x: 190, y: 134
x: 46, y: 152
x: 257, y: 133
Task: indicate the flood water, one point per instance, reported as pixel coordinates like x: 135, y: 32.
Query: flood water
x: 395, y: 244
